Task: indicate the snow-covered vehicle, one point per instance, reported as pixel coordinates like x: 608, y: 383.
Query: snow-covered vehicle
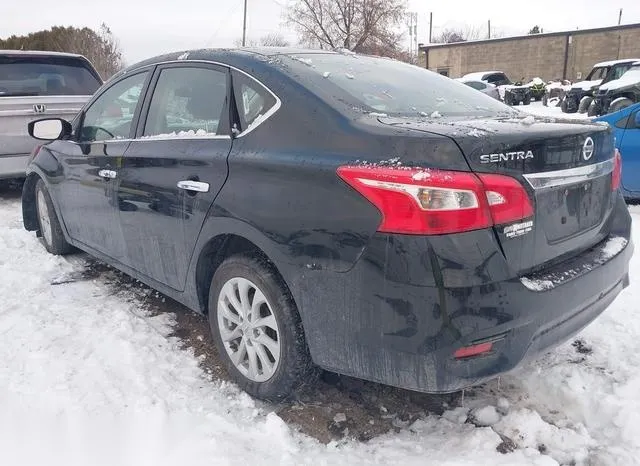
x: 538, y: 88
x: 510, y: 93
x: 555, y: 91
x: 581, y: 94
x: 618, y: 94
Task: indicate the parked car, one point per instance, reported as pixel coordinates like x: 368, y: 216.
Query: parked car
x: 580, y: 96
x: 510, y: 93
x: 485, y: 88
x: 618, y: 94
x: 626, y: 128
x: 432, y: 242
x: 35, y: 84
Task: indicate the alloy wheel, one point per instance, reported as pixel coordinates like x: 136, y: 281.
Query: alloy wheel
x: 248, y: 329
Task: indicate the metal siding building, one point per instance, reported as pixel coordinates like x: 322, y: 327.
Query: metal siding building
x: 567, y: 55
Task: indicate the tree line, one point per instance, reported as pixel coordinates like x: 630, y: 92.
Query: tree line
x: 100, y: 47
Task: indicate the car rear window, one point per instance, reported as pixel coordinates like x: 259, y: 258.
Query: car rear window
x: 391, y: 87
x: 33, y: 76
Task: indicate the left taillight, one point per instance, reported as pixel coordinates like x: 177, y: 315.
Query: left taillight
x: 434, y: 202
x: 616, y: 176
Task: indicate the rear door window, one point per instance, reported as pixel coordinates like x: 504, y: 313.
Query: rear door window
x: 188, y: 101
x: 253, y: 100
x: 41, y: 76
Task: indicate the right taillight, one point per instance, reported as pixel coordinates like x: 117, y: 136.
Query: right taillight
x: 434, y: 202
x: 616, y: 176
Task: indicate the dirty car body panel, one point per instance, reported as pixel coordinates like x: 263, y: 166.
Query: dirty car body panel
x: 401, y: 308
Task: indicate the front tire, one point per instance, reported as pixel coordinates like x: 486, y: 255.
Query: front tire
x: 257, y: 329
x: 594, y: 109
x: 51, y: 233
x: 585, y: 102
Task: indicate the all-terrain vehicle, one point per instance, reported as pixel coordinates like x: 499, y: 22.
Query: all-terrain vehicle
x: 555, y: 91
x: 517, y: 93
x: 510, y: 93
x: 538, y: 89
x: 617, y: 94
x: 581, y: 94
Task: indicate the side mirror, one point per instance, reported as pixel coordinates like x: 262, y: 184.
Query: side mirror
x: 49, y: 129
x: 637, y: 119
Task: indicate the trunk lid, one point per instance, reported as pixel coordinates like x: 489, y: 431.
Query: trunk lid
x: 17, y: 112
x: 566, y: 169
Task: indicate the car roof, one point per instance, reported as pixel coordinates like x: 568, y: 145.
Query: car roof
x: 227, y: 56
x: 38, y: 53
x: 616, y: 62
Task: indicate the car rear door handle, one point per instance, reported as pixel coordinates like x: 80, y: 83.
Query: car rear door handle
x: 108, y: 174
x: 191, y: 185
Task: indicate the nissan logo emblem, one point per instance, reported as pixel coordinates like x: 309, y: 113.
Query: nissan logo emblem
x: 588, y: 148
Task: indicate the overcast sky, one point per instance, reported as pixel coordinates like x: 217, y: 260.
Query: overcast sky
x: 146, y: 28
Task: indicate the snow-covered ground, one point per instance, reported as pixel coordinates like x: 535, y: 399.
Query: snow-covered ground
x: 87, y: 377
x: 536, y: 108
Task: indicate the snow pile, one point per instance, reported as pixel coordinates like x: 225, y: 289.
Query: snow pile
x: 88, y: 378
x: 201, y: 133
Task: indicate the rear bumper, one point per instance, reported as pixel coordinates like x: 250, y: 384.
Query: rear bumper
x: 13, y: 165
x: 408, y: 304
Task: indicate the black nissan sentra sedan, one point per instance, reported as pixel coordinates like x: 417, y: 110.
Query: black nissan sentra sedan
x: 339, y: 211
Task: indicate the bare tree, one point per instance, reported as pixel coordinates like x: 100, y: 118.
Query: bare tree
x: 452, y: 35
x: 274, y: 39
x: 366, y: 26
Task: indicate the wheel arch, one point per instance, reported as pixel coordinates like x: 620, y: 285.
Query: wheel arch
x: 213, y: 254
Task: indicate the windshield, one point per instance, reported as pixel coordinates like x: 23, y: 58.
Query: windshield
x: 33, y: 76
x: 619, y: 71
x: 597, y: 73
x: 391, y: 87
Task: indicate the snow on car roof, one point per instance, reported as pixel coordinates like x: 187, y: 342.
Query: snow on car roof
x: 616, y: 62
x: 479, y: 74
x: 39, y: 53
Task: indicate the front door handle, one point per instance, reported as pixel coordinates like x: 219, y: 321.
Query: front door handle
x: 191, y: 185
x: 108, y: 174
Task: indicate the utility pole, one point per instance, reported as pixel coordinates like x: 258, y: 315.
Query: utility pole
x: 430, y: 26
x: 244, y: 25
x: 413, y: 33
x: 488, y: 29
x: 620, y: 17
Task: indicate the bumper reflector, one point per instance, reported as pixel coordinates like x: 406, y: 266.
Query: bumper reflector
x: 473, y: 350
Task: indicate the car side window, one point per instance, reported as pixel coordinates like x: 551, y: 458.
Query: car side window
x: 252, y: 99
x: 110, y: 116
x: 187, y: 101
x: 477, y: 85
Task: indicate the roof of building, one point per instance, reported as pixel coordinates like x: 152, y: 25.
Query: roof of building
x: 532, y: 36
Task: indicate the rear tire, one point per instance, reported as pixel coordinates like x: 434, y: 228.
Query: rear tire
x: 620, y: 103
x: 51, y: 233
x: 257, y: 329
x: 585, y: 102
x: 564, y: 106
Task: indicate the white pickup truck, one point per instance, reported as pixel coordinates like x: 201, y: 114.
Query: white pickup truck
x: 35, y: 85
